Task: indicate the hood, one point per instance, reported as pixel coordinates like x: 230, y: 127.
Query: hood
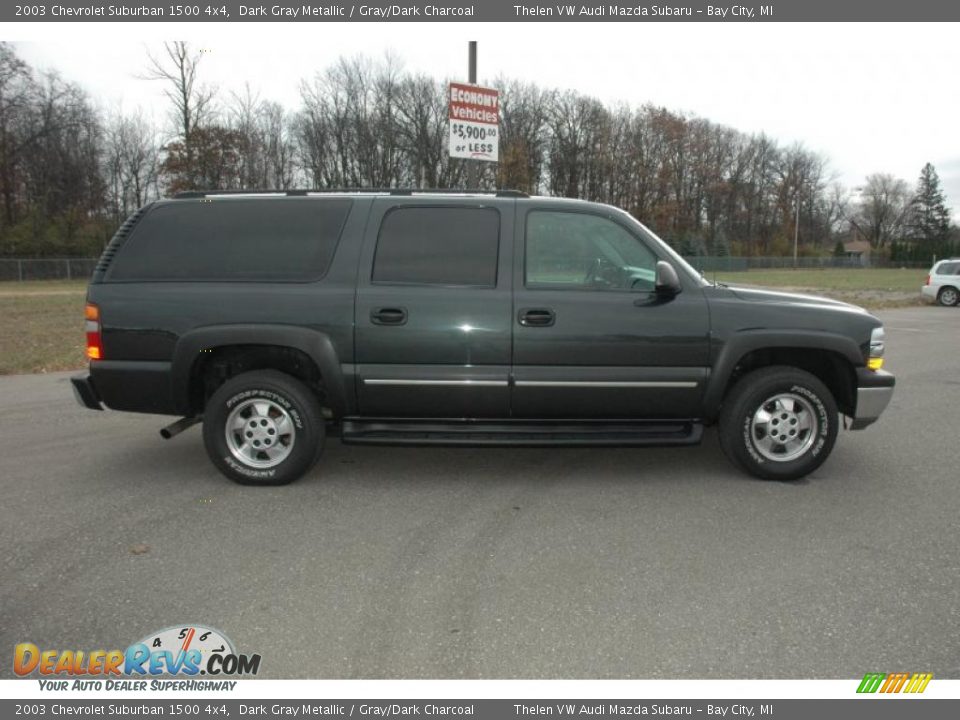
x: 752, y: 294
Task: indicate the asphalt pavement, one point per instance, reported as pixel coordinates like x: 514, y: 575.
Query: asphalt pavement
x: 498, y: 563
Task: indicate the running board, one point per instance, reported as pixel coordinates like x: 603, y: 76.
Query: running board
x: 531, y: 434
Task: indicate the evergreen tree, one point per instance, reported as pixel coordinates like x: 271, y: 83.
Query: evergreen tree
x: 721, y: 245
x: 838, y: 250
x: 929, y: 216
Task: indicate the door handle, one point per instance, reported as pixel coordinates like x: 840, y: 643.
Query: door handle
x: 537, y: 317
x: 388, y: 316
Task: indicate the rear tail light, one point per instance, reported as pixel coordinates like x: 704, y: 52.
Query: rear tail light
x: 928, y: 279
x: 94, y: 341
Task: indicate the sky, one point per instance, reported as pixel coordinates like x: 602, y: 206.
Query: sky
x: 868, y: 97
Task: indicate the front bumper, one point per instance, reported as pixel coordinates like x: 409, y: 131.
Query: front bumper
x: 874, y: 390
x: 85, y: 392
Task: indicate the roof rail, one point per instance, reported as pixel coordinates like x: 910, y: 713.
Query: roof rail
x: 194, y: 194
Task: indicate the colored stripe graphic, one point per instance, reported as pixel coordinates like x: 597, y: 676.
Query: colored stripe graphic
x: 894, y: 682
x: 918, y: 683
x: 870, y: 683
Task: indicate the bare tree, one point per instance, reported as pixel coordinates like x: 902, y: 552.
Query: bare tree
x: 131, y: 163
x: 882, y: 211
x: 177, y: 67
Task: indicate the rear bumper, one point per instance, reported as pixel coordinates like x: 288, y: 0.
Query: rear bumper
x: 874, y: 390
x: 85, y: 392
x: 929, y: 291
x: 129, y: 386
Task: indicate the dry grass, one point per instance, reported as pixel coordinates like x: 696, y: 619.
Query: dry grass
x: 870, y: 288
x: 41, y: 326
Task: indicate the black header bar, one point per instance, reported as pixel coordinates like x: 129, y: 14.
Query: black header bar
x: 226, y: 11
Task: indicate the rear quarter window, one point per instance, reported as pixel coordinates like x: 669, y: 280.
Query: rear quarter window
x: 269, y: 239
x: 947, y: 268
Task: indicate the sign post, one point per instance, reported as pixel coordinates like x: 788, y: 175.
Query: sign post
x: 474, y: 114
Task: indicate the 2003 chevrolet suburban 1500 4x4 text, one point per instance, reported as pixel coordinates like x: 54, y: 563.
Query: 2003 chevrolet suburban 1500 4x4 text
x: 408, y: 317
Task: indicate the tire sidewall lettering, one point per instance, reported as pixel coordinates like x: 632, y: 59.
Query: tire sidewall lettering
x: 281, y: 400
x: 748, y: 441
x: 247, y: 471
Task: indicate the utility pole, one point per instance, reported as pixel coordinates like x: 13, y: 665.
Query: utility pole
x: 472, y: 165
x: 796, y: 231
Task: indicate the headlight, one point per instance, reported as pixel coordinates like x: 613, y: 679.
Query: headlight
x: 877, y: 346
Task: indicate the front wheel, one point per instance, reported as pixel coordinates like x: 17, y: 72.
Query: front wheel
x: 779, y: 423
x: 263, y: 428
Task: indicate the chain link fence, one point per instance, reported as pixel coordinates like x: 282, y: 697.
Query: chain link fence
x: 706, y: 263
x: 82, y: 268
x: 46, y: 268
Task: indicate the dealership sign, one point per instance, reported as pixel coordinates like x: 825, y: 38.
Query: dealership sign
x: 474, y: 122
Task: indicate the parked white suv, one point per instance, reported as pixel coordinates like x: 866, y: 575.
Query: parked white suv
x: 943, y: 282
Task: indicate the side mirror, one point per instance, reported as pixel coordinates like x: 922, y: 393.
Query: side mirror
x: 667, y: 283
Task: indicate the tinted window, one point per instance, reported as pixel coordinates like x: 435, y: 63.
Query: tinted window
x: 585, y: 252
x: 249, y: 239
x: 438, y: 246
x: 948, y: 268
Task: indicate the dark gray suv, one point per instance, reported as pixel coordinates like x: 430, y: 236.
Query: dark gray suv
x: 466, y: 318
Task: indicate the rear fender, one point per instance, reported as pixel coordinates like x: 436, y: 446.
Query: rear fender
x: 315, y: 344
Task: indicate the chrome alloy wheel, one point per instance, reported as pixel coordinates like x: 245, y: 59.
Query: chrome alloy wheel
x: 948, y: 296
x: 784, y: 427
x: 260, y: 433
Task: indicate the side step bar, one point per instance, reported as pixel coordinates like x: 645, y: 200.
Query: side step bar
x: 530, y: 434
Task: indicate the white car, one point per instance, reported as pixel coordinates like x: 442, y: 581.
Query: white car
x: 943, y: 282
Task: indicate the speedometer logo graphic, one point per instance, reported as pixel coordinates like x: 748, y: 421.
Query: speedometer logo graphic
x: 179, y: 639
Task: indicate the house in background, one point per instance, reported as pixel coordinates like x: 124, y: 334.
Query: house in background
x: 858, y: 251
x: 857, y: 248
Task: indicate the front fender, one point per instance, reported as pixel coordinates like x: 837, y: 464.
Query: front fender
x: 746, y: 341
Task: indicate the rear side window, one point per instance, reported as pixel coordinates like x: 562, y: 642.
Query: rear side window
x: 948, y: 268
x: 438, y: 246
x: 278, y: 239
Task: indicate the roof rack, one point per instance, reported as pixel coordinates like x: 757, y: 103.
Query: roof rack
x: 193, y: 194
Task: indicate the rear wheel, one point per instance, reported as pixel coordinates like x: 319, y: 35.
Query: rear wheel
x: 263, y: 428
x: 779, y: 423
x: 948, y: 296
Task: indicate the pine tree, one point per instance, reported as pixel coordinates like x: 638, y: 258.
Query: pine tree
x: 721, y: 245
x: 929, y: 216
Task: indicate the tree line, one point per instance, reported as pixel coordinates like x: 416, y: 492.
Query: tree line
x: 70, y: 173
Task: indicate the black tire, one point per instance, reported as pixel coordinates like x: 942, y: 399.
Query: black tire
x: 752, y: 443
x: 948, y: 296
x: 278, y: 413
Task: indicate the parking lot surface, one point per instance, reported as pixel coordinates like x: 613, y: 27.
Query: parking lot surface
x: 498, y: 563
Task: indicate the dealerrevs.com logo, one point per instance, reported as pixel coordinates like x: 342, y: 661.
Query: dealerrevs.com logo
x: 178, y: 651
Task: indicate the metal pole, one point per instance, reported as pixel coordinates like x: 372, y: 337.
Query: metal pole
x: 472, y: 62
x: 796, y: 231
x: 472, y: 165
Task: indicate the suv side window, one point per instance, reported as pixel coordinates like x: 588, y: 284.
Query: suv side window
x: 438, y: 246
x: 268, y: 239
x: 577, y: 251
x: 947, y: 268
